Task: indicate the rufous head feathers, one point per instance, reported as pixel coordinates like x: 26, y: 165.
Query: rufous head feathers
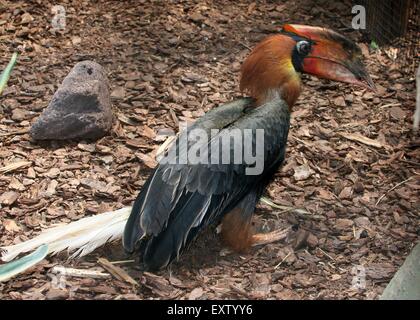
x: 274, y: 65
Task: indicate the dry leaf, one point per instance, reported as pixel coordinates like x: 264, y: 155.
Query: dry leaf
x: 325, y: 194
x: 11, y: 226
x: 86, y: 147
x: 340, y: 102
x: 362, y: 139
x: 76, y: 40
x: 147, y: 160
x: 16, y: 184
x: 346, y: 193
x: 196, y: 293
x: 335, y: 277
x: 302, y: 172
x: 343, y: 224
x: 51, y: 187
x: 397, y: 113
x: 52, y: 173
x: 148, y: 132
x: 124, y: 119
x: 8, y: 198
x: 118, y: 93
x: 26, y: 18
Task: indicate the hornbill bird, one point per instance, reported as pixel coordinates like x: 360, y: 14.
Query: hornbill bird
x: 180, y: 199
x: 182, y: 196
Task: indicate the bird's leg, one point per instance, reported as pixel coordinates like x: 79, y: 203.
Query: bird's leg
x: 237, y: 230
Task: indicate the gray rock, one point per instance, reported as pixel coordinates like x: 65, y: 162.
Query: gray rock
x: 405, y: 285
x: 80, y: 108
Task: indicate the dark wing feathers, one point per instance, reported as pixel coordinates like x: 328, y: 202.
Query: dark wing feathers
x: 179, y: 199
x: 134, y: 232
x: 172, y: 179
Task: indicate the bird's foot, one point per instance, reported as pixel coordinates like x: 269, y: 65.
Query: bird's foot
x: 270, y: 237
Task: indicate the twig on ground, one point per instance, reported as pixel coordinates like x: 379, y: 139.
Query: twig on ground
x: 390, y: 105
x: 393, y: 188
x: 326, y: 254
x: 284, y: 259
x: 80, y: 273
x: 117, y: 272
x: 245, y: 46
x: 23, y: 131
x: 362, y: 139
x: 122, y: 261
x: 14, y: 166
x: 283, y: 208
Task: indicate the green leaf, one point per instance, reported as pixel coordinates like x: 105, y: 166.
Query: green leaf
x: 6, y: 73
x: 11, y: 269
x: 374, y: 45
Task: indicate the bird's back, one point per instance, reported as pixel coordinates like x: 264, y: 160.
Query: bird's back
x: 179, y: 199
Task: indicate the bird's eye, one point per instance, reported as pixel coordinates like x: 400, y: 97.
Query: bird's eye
x: 303, y: 47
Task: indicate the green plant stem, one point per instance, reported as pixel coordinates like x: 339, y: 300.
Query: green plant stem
x: 6, y: 73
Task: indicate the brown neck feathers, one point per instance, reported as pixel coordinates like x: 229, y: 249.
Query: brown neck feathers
x: 269, y: 71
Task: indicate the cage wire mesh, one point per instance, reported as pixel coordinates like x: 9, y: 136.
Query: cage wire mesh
x: 412, y: 38
x: 386, y: 20
x: 395, y: 23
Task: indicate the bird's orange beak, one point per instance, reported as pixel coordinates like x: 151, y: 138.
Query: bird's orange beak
x: 332, y: 56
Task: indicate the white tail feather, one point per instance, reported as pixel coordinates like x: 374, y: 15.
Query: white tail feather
x: 82, y: 236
